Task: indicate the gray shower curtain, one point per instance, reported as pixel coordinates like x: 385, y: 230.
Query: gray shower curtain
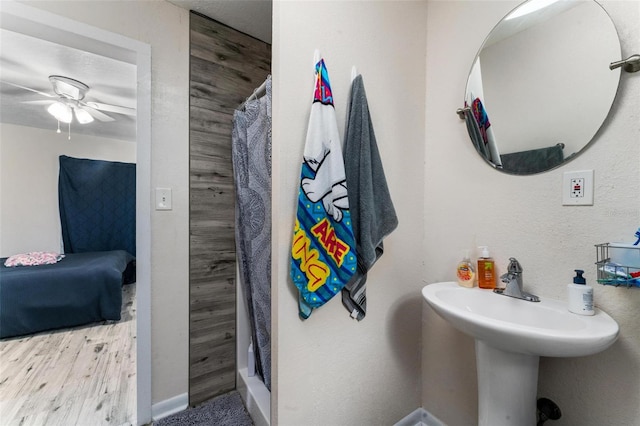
x: 251, y: 145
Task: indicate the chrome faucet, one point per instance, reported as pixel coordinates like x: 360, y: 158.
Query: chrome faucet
x: 513, y: 281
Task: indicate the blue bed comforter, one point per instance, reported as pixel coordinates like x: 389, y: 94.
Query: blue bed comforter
x: 80, y: 289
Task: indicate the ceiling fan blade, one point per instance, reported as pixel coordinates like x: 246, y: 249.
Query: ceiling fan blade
x: 29, y: 89
x: 96, y: 114
x: 42, y: 102
x: 111, y: 108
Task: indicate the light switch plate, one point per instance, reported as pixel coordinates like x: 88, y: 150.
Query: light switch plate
x: 577, y: 188
x: 163, y: 199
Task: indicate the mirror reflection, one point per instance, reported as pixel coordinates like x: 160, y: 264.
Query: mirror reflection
x: 540, y: 86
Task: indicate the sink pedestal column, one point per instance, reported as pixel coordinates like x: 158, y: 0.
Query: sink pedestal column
x: 507, y: 387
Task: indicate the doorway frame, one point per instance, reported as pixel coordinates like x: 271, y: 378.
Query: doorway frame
x: 39, y: 23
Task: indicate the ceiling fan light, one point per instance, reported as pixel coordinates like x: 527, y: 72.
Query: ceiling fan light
x: 83, y: 116
x: 61, y: 112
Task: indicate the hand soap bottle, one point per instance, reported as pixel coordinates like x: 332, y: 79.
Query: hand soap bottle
x: 580, y: 295
x: 486, y: 270
x: 465, y: 273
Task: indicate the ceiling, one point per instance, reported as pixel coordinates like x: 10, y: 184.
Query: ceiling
x: 26, y: 60
x: 252, y: 17
x: 29, y: 61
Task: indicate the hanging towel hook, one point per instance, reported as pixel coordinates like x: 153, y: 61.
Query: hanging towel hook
x: 316, y: 58
x: 354, y: 73
x: 462, y: 111
x: 631, y: 64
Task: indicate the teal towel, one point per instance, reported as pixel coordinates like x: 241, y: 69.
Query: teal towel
x: 373, y: 216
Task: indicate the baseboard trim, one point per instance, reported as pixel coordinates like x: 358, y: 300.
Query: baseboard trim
x: 420, y: 417
x: 170, y: 406
x: 256, y: 397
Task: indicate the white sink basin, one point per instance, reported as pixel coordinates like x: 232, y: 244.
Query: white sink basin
x: 544, y: 328
x: 511, y: 335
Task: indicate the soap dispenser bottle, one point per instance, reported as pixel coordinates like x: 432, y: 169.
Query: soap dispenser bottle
x: 580, y: 295
x: 465, y: 273
x: 486, y: 269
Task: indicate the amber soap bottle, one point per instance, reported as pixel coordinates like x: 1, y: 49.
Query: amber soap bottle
x: 486, y: 271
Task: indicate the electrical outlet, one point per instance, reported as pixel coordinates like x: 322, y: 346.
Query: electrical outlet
x: 577, y: 188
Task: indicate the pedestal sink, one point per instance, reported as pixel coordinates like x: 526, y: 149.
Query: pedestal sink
x: 511, y: 335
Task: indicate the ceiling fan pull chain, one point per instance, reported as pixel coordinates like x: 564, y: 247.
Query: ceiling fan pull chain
x: 58, y: 131
x: 69, y: 131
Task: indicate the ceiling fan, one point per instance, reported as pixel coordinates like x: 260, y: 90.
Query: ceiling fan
x: 68, y: 101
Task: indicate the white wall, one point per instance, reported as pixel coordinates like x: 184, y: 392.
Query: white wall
x: 30, y: 218
x: 166, y: 28
x: 331, y: 369
x: 467, y: 203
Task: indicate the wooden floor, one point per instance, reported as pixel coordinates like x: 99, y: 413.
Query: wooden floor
x: 75, y: 376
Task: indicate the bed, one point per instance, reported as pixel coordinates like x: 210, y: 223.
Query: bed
x: 97, y: 216
x: 81, y: 288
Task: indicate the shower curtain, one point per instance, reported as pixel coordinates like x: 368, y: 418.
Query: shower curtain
x: 251, y: 154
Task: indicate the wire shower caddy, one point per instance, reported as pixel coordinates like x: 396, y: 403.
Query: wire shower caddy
x: 625, y: 274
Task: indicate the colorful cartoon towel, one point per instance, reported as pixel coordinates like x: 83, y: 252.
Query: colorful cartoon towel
x: 323, y: 256
x: 481, y: 118
x: 484, y: 126
x: 373, y: 214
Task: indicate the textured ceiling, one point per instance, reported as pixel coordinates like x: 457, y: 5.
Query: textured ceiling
x: 28, y: 61
x: 252, y: 17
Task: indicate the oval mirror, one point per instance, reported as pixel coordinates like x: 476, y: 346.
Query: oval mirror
x: 540, y: 86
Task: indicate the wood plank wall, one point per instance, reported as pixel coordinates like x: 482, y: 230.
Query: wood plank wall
x: 225, y: 67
